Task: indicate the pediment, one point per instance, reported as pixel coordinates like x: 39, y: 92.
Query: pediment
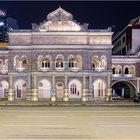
x: 60, y: 26
x: 59, y: 20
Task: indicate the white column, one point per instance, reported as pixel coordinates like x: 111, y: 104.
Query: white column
x: 109, y: 89
x: 84, y: 90
x: 66, y: 96
x: 53, y: 90
x: 29, y: 90
x: 108, y: 81
x: 34, y: 90
x: 11, y: 89
x: 90, y: 87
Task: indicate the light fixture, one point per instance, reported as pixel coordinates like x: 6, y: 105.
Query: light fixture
x: 1, y: 23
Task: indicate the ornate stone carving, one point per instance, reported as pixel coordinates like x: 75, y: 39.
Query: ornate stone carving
x: 59, y: 20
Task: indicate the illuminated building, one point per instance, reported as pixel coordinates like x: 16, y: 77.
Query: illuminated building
x: 63, y: 60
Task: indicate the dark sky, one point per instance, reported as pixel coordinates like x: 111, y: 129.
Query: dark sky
x: 97, y: 14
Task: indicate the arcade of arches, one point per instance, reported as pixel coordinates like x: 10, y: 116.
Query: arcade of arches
x: 45, y: 87
x: 122, y: 89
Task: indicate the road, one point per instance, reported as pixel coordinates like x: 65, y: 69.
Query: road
x: 65, y: 123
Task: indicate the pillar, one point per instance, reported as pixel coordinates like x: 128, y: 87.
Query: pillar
x: 29, y: 90
x: 66, y: 95
x: 53, y: 90
x: 34, y: 90
x: 11, y: 90
x: 84, y: 98
x: 138, y: 85
x: 108, y: 95
x: 91, y: 88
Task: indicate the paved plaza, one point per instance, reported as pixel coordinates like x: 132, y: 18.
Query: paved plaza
x: 75, y: 123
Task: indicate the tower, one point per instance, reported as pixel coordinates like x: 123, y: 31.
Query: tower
x: 3, y: 27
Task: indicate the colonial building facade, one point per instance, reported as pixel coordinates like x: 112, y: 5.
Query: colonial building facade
x: 126, y: 60
x: 63, y: 60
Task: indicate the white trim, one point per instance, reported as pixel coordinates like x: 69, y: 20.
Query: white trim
x: 4, y: 52
x: 75, y: 46
x: 19, y: 47
x: 106, y: 33
x: 125, y: 60
x: 116, y: 75
x: 94, y: 32
x: 21, y: 33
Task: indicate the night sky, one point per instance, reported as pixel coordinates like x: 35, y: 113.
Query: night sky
x: 99, y: 15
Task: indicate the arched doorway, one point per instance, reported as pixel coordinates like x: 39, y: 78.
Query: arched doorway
x: 75, y: 89
x: 60, y: 90
x: 20, y: 89
x: 123, y: 89
x: 99, y: 87
x: 44, y: 89
x: 4, y: 87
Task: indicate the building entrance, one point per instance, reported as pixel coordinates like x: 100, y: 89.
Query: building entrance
x: 123, y: 89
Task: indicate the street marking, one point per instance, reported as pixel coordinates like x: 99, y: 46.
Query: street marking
x: 35, y: 116
x: 114, y: 116
x: 34, y: 111
x: 54, y: 137
x: 13, y: 125
x: 119, y: 125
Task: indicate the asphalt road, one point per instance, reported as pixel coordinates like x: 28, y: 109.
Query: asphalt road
x: 70, y: 123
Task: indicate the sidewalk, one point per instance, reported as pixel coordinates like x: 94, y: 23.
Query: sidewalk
x: 70, y: 103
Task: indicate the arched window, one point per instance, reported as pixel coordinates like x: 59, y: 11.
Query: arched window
x: 71, y: 63
x: 114, y: 71
x: 24, y: 63
x: 59, y: 63
x: 4, y: 67
x: 118, y: 69
x: 44, y: 88
x: 17, y: 63
x: 4, y: 88
x: 94, y: 62
x: 99, y: 88
x: 126, y: 71
x: 73, y: 88
x: 129, y: 70
x: 20, y: 63
x: 132, y: 69
x: 93, y: 66
x: 75, y: 63
x: 20, y: 88
x: 100, y: 63
x: 103, y: 62
x: 46, y: 63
